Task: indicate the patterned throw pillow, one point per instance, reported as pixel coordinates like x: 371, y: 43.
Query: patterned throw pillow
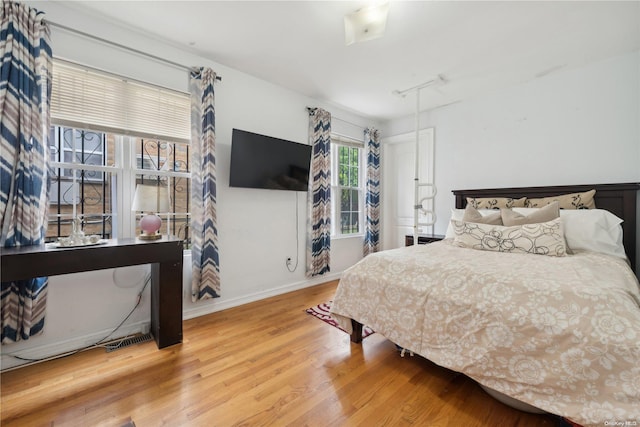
x: 567, y: 201
x: 495, y: 202
x: 546, y: 238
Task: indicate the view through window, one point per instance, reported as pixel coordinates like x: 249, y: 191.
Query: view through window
x: 95, y: 175
x: 347, y: 186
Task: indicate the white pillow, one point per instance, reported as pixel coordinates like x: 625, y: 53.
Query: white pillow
x: 596, y: 230
x: 458, y: 214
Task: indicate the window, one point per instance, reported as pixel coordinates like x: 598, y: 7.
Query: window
x: 82, y: 183
x: 93, y: 176
x: 167, y: 164
x: 347, y: 186
x: 99, y: 153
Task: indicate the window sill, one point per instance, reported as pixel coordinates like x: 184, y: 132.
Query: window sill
x: 347, y: 236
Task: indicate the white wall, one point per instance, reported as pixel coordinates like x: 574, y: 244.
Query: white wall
x: 257, y: 228
x: 577, y: 126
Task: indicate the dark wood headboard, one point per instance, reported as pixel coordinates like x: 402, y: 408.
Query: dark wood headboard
x: 619, y: 199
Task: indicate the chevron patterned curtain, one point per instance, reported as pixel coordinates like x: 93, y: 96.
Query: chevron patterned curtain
x: 25, y: 88
x: 319, y: 217
x: 204, y: 232
x: 372, y: 197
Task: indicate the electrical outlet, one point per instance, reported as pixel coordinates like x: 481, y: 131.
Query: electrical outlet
x: 288, y: 261
x: 145, y: 328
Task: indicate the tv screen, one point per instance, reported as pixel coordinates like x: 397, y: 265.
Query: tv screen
x: 259, y: 161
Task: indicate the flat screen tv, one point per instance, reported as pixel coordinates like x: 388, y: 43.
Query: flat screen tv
x: 259, y: 161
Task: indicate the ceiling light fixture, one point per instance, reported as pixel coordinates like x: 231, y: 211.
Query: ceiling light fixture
x: 365, y: 24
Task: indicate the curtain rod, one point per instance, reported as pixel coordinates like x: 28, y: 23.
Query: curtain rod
x: 341, y: 120
x: 349, y: 123
x: 121, y: 46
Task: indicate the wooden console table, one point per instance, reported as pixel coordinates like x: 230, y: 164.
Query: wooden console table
x: 164, y: 255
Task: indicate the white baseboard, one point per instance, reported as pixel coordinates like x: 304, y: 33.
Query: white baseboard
x: 59, y: 349
x: 191, y: 313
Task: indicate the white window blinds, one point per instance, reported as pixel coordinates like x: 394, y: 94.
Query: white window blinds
x: 85, y: 98
x: 346, y: 140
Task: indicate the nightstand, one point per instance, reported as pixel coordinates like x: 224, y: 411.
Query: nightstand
x: 423, y: 239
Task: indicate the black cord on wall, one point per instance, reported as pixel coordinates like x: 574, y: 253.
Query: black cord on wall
x: 99, y: 343
x: 288, y: 262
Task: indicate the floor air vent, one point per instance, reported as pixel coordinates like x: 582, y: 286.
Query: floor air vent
x: 127, y: 342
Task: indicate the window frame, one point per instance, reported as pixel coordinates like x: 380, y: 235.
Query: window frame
x: 338, y: 141
x: 74, y: 182
x: 123, y: 177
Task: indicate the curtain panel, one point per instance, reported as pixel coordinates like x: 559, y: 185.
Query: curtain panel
x: 319, y: 195
x: 372, y: 196
x: 25, y: 90
x: 204, y: 232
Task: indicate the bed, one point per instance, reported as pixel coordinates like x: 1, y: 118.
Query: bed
x: 560, y: 333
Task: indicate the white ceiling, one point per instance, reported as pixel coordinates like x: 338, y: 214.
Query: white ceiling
x: 477, y: 46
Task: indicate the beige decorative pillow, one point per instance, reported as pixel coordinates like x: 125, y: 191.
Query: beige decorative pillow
x: 545, y: 214
x: 546, y: 238
x: 472, y: 214
x: 495, y: 202
x: 567, y: 201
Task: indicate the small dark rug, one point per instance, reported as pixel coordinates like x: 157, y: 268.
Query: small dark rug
x: 321, y: 311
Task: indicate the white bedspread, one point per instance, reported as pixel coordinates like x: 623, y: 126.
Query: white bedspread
x: 559, y: 333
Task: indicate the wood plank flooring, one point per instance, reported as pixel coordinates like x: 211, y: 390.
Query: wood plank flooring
x: 262, y: 364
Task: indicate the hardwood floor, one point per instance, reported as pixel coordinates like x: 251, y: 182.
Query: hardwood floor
x: 265, y: 363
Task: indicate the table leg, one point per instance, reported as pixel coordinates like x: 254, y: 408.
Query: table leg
x: 166, y: 303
